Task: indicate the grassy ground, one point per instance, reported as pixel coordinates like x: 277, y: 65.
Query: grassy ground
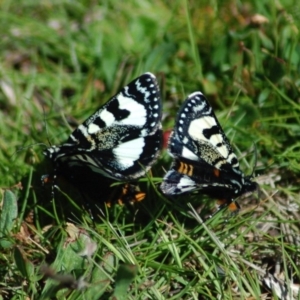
x: 60, y: 60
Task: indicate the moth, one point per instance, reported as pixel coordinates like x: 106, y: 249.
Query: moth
x: 203, y: 159
x: 120, y: 141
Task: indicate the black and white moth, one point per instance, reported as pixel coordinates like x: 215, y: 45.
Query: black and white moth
x: 203, y: 158
x: 121, y: 140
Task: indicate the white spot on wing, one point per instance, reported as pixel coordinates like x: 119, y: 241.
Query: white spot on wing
x: 143, y: 90
x: 93, y: 128
x: 198, y: 125
x: 196, y: 132
x: 186, y: 184
x: 221, y: 149
x: 83, y: 130
x: 231, y: 157
x: 199, y: 107
x: 138, y: 113
x: 171, y: 184
x: 107, y: 117
x: 186, y: 153
x: 129, y: 152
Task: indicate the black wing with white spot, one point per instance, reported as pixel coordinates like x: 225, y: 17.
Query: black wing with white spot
x: 198, y: 135
x: 122, y: 139
x: 203, y: 157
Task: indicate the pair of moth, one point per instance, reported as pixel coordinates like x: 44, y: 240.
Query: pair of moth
x: 123, y: 139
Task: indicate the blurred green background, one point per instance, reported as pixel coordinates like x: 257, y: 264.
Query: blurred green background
x: 61, y: 60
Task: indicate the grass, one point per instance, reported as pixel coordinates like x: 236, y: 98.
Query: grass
x: 62, y: 60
